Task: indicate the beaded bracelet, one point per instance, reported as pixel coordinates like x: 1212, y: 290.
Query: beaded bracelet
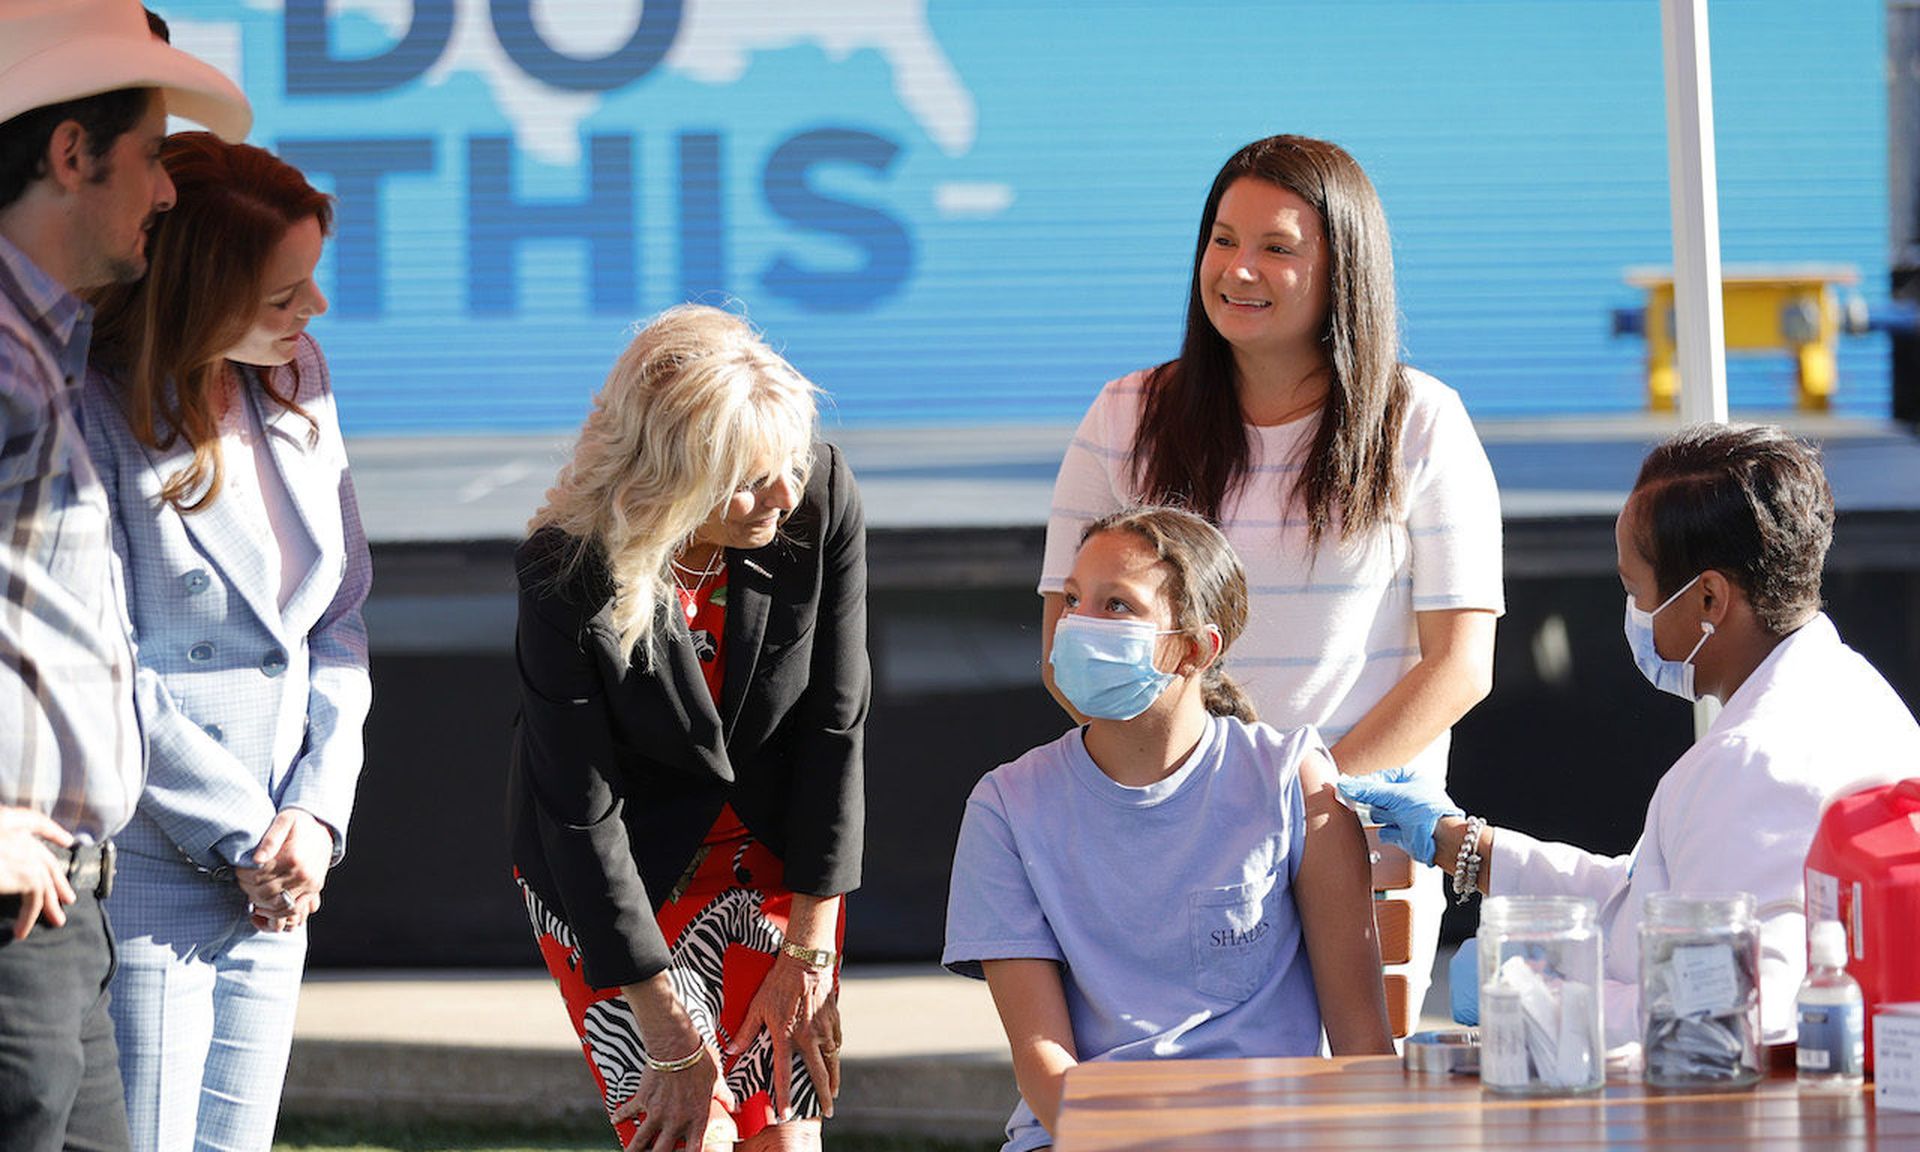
x: 1466, y: 866
x: 680, y: 1065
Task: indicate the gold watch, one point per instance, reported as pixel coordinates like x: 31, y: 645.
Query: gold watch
x: 819, y: 958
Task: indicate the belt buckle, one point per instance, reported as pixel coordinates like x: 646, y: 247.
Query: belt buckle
x: 90, y: 867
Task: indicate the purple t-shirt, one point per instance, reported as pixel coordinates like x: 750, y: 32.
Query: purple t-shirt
x: 1170, y: 907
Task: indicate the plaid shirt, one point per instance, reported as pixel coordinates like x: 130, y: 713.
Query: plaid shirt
x: 70, y: 742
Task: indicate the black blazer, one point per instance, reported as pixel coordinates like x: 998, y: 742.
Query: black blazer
x: 617, y: 775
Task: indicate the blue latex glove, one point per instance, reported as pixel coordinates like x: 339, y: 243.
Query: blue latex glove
x: 1463, y: 982
x: 1407, y: 809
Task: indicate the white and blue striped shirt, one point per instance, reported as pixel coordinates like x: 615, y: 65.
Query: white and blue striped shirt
x: 1327, y: 634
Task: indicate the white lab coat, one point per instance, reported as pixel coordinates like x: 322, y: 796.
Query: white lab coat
x: 1737, y: 812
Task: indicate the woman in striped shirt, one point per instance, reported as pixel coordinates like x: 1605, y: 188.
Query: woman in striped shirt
x: 1352, y: 485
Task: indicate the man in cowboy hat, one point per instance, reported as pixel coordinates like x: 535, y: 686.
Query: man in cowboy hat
x: 85, y: 89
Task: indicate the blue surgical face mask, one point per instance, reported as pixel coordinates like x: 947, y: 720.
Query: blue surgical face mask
x: 1674, y: 676
x: 1104, y: 667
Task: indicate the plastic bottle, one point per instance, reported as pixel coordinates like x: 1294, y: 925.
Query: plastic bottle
x: 1832, y: 1050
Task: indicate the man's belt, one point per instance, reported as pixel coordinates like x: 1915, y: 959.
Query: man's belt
x: 89, y: 866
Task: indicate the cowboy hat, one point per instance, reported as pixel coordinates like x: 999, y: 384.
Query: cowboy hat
x: 52, y: 51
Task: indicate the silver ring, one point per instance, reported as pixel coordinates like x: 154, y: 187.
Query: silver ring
x: 286, y: 899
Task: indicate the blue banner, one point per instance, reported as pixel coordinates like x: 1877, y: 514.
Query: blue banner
x: 976, y: 212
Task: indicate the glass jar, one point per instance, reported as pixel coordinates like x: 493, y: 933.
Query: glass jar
x: 1700, y: 991
x: 1540, y: 982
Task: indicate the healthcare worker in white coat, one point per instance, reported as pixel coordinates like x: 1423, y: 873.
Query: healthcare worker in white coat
x: 1721, y: 545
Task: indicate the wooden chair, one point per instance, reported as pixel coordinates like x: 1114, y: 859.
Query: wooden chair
x: 1393, y: 922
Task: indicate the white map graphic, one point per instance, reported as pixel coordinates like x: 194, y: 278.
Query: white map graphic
x: 715, y: 44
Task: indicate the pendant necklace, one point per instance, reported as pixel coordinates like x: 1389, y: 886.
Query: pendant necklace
x: 688, y: 603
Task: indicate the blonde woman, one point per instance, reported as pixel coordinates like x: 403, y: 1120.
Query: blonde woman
x: 687, y: 779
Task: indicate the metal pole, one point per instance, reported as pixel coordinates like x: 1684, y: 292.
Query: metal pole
x: 1692, y: 177
x: 1903, y: 132
x: 1903, y: 192
x: 1693, y: 180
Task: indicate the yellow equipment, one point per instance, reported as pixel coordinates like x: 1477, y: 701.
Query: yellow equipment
x: 1794, y: 308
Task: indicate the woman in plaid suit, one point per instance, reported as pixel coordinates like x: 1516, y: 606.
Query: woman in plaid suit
x: 209, y: 412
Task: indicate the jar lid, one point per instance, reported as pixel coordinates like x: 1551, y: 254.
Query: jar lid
x: 1501, y: 913
x: 1698, y: 909
x: 1452, y: 1052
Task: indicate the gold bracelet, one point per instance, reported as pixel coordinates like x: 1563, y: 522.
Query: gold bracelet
x: 680, y: 1065
x: 818, y: 958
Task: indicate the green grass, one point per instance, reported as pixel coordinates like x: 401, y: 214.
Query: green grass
x: 590, y: 1136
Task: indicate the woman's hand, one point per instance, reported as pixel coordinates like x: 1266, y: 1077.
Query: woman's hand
x: 289, y: 867
x: 685, y: 1108
x: 1408, y: 808
x: 287, y: 917
x: 799, y: 1007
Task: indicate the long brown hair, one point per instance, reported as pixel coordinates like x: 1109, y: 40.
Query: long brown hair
x: 1206, y: 584
x: 206, y: 260
x: 1191, y: 447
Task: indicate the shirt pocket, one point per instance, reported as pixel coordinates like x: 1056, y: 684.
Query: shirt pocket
x: 1235, y: 937
x: 82, y: 538
x: 60, y: 517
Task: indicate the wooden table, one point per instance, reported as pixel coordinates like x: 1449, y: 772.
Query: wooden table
x: 1369, y: 1102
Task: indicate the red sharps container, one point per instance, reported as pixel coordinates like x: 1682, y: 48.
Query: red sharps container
x: 1864, y: 871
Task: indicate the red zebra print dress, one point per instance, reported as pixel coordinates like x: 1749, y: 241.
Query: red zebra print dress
x: 723, y: 925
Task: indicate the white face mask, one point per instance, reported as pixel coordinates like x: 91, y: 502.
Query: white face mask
x: 1674, y: 676
x: 1104, y: 666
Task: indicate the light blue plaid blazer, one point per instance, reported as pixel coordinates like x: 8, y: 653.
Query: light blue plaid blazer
x: 217, y: 655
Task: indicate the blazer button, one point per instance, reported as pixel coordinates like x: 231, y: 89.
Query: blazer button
x: 214, y: 731
x: 274, y: 662
x: 196, y: 581
x: 200, y: 653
